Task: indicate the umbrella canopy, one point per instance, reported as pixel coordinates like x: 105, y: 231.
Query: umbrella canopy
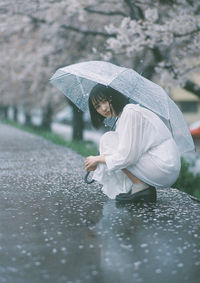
x: 77, y: 80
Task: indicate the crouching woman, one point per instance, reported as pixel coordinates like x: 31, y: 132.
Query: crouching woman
x: 139, y: 156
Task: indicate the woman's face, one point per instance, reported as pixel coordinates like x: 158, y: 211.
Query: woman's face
x: 103, y: 107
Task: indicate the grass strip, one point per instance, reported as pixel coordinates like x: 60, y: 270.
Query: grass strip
x: 84, y: 148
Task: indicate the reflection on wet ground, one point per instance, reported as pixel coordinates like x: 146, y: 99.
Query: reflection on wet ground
x: 55, y: 228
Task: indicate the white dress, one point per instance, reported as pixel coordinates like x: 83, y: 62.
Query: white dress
x: 142, y: 144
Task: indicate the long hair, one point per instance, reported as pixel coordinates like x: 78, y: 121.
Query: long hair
x: 100, y: 93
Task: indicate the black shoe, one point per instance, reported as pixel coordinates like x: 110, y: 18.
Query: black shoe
x: 146, y: 195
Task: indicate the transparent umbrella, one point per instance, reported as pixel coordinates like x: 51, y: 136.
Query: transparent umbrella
x: 77, y: 80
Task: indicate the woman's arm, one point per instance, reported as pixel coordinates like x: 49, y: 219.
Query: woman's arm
x: 131, y: 140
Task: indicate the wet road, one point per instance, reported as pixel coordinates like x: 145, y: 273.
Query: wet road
x: 55, y: 228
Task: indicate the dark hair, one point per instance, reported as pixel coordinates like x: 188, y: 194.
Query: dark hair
x: 100, y: 93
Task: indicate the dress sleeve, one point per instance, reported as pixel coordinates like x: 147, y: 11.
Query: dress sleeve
x: 131, y: 132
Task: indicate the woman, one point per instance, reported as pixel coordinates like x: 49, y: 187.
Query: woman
x: 138, y: 156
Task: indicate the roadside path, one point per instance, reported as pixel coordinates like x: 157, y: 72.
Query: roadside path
x: 55, y: 228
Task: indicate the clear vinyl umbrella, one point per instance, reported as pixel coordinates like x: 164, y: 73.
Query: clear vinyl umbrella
x: 77, y: 80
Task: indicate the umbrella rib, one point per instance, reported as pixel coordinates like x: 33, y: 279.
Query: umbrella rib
x: 79, y: 82
x: 63, y: 75
x: 122, y: 71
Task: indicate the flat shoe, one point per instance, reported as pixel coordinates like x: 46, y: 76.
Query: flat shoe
x: 146, y: 195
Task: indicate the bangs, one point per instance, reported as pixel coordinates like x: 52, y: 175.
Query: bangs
x: 96, y: 99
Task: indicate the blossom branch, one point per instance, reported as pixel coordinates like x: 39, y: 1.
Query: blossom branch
x: 101, y: 12
x: 135, y: 11
x: 88, y: 32
x: 187, y: 33
x: 192, y: 87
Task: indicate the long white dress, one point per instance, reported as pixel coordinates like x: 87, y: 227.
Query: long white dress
x: 142, y: 144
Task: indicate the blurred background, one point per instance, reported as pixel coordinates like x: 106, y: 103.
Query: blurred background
x: 159, y: 39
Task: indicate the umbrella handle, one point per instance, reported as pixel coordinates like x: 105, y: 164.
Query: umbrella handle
x: 86, y: 180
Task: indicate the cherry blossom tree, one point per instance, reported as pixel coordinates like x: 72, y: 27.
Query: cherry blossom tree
x: 160, y: 39
x: 31, y: 50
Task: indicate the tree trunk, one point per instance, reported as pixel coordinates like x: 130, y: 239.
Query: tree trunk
x: 47, y: 117
x: 5, y: 111
x: 192, y: 87
x: 78, y: 124
x: 27, y: 119
x: 15, y: 110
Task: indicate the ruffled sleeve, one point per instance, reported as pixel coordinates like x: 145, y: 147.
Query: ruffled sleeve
x: 130, y: 130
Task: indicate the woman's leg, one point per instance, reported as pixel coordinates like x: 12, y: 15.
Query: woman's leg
x: 133, y: 178
x: 137, y: 186
x: 119, y: 181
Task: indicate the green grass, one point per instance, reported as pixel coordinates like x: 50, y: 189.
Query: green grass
x: 84, y: 148
x: 187, y: 181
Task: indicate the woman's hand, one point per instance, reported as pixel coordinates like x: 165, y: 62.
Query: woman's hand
x: 91, y: 163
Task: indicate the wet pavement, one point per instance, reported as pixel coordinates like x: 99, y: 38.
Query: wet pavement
x: 55, y: 228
